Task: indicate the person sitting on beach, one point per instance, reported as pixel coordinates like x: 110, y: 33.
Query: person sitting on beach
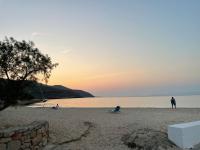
x: 55, y: 107
x: 117, y: 109
x: 173, y: 102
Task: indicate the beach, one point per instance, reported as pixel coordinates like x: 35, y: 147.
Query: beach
x: 97, y: 128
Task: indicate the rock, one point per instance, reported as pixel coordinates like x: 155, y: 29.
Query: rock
x: 148, y: 139
x: 32, y: 136
x: 44, y: 141
x: 36, y: 148
x: 45, y: 134
x: 37, y: 139
x: 16, y: 136
x: 39, y: 131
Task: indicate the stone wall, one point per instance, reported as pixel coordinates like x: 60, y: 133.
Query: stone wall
x: 30, y: 137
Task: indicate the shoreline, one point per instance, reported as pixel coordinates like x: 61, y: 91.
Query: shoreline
x: 110, y: 107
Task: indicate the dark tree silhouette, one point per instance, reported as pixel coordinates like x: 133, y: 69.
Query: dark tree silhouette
x: 20, y: 61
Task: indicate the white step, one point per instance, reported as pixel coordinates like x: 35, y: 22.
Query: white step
x: 185, y: 135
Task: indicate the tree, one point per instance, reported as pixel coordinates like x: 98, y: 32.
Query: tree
x: 21, y: 61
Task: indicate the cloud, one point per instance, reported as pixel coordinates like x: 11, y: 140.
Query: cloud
x: 108, y: 75
x: 34, y: 34
x: 67, y: 51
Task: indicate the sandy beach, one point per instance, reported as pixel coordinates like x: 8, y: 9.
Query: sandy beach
x: 92, y: 128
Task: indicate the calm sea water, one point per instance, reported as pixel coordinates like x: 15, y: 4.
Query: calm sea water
x: 157, y: 102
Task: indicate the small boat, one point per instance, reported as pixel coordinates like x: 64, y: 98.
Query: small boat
x: 44, y: 100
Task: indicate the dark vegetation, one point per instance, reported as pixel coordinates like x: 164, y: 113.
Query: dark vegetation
x: 35, y: 90
x: 20, y: 64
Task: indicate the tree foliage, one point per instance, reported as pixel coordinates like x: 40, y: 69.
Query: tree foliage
x: 21, y: 61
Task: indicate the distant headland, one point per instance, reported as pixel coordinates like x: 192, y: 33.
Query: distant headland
x: 36, y: 90
x: 42, y: 91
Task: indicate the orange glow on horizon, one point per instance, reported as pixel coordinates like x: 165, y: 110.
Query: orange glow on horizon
x: 90, y: 81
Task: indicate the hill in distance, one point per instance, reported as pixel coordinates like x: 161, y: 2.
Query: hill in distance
x: 40, y: 91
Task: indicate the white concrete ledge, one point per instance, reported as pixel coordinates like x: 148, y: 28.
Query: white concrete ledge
x: 185, y: 135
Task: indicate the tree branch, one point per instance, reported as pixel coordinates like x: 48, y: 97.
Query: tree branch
x: 6, y: 72
x: 29, y: 73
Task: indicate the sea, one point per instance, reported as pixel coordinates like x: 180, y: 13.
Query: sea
x: 125, y: 102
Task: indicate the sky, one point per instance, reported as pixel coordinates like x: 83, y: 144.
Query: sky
x: 112, y: 47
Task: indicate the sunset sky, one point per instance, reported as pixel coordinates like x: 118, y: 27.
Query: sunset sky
x: 112, y: 47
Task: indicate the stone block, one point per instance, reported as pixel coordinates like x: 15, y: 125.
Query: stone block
x: 185, y: 135
x: 2, y: 146
x: 8, y: 132
x: 27, y: 133
x: 33, y: 134
x: 27, y: 141
x: 26, y: 145
x: 47, y: 126
x: 36, y: 148
x: 14, y: 145
x: 5, y: 140
x: 1, y: 134
x: 39, y: 131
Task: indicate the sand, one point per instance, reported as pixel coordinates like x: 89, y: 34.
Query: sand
x: 97, y: 129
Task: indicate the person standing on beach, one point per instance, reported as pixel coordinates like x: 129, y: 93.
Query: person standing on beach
x: 173, y: 102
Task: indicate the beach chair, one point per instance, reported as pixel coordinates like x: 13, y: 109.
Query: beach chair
x: 116, y: 110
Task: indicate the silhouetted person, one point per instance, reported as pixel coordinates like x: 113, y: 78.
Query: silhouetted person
x: 55, y: 107
x: 117, y: 109
x: 173, y: 102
